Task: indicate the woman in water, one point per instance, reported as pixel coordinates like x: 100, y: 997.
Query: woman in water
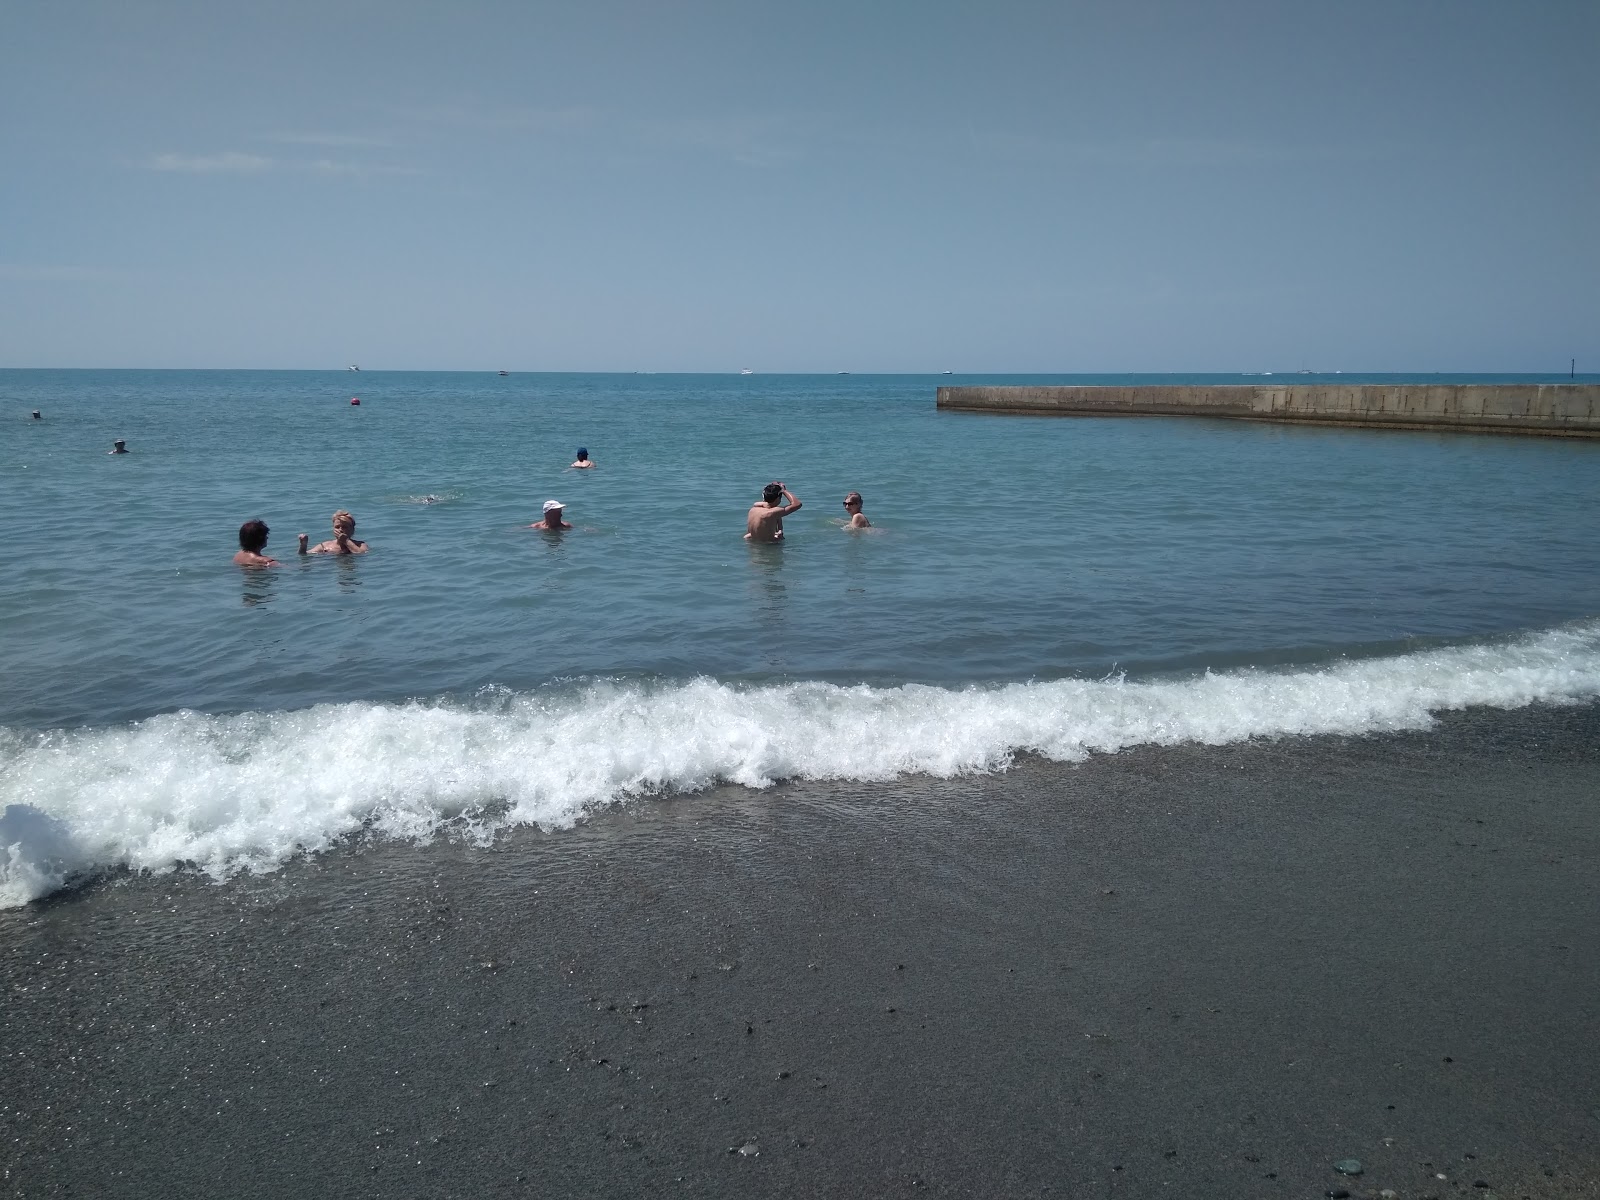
x: 343, y: 540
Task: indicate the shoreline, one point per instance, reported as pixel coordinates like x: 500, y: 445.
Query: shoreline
x: 1209, y: 969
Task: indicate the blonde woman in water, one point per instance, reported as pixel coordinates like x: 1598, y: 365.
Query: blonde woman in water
x: 343, y: 540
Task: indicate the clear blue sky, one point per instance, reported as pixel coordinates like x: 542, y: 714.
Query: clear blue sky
x: 819, y: 186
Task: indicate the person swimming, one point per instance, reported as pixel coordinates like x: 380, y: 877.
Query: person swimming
x: 252, y: 541
x: 764, y: 521
x: 343, y: 540
x: 852, y: 508
x: 552, y: 519
x: 118, y: 447
x: 584, y: 461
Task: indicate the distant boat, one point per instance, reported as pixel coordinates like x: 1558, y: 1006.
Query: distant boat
x: 353, y: 367
x: 505, y: 372
x: 949, y: 372
x: 841, y: 372
x: 747, y: 371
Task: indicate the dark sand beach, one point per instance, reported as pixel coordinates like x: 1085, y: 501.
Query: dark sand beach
x: 1182, y: 971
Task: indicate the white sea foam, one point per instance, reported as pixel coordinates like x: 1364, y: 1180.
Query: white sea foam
x: 248, y: 792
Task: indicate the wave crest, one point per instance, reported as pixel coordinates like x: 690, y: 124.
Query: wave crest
x: 250, y: 791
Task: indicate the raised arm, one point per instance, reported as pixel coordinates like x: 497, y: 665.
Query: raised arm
x: 792, y: 506
x: 303, y: 540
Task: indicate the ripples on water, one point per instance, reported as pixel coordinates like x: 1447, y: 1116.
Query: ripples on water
x: 1008, y: 548
x: 652, y: 648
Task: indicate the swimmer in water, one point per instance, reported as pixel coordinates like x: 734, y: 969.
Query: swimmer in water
x: 584, y: 461
x: 343, y: 540
x: 852, y: 508
x: 37, y: 416
x: 764, y: 521
x: 554, y: 510
x: 118, y: 447
x: 252, y: 541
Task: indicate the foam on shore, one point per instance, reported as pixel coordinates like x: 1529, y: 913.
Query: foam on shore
x: 251, y: 791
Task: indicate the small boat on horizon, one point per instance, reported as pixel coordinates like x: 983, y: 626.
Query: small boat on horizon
x: 353, y: 367
x: 505, y: 372
x: 747, y: 371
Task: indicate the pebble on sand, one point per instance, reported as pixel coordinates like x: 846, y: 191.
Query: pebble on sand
x: 1348, y: 1166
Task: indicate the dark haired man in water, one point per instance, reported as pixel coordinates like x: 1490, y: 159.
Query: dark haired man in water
x: 118, y: 447
x: 343, y: 540
x: 252, y: 541
x: 764, y: 521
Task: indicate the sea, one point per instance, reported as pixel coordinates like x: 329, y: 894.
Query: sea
x: 1046, y: 587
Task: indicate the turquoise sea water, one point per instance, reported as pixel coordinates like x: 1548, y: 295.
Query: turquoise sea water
x: 652, y: 648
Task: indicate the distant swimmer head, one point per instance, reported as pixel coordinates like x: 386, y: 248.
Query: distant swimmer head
x: 553, y: 506
x: 583, y: 453
x: 253, y: 536
x: 344, y: 522
x: 772, y: 493
x: 36, y: 415
x: 119, y: 447
x: 852, y: 500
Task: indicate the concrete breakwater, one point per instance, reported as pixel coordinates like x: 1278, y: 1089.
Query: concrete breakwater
x: 1559, y: 409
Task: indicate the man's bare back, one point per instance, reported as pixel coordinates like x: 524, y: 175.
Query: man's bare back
x: 764, y: 521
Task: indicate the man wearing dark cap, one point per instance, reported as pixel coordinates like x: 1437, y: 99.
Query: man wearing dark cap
x: 764, y: 522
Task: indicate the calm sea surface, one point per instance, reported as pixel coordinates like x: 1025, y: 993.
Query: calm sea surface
x: 1040, y: 552
x: 1006, y: 548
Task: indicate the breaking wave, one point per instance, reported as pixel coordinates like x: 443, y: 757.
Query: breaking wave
x: 251, y: 791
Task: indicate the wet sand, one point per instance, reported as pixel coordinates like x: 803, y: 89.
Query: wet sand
x: 1192, y: 971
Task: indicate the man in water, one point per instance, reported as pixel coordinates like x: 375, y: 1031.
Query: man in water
x: 37, y: 416
x: 553, y: 511
x: 118, y: 447
x: 252, y: 541
x: 584, y: 463
x: 852, y: 508
x: 764, y: 521
x: 343, y: 540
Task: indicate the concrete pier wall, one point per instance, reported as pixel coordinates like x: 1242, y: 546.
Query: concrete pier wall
x: 1560, y: 409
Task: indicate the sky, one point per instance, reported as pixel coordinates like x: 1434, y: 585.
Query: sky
x: 873, y: 185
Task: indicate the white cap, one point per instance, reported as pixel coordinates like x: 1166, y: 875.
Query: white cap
x: 553, y: 505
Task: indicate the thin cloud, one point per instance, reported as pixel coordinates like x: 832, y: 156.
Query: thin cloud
x: 230, y: 162
x: 233, y: 162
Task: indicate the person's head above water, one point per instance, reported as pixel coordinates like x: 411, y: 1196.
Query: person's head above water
x: 253, y: 536
x: 344, y: 522
x: 852, y: 500
x: 772, y: 493
x: 553, y: 506
x: 119, y: 447
x: 36, y: 415
x: 583, y: 453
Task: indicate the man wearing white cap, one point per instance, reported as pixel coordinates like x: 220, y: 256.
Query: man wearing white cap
x: 553, y: 510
